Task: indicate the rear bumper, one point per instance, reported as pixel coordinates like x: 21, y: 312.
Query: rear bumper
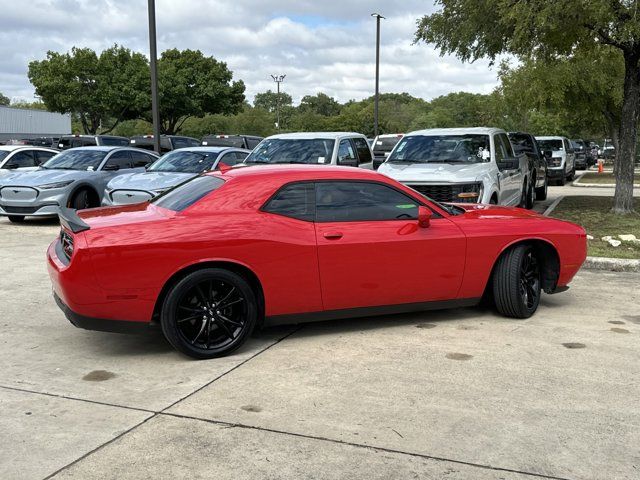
x: 102, y: 325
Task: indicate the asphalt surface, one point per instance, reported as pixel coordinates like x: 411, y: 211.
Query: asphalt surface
x: 456, y: 394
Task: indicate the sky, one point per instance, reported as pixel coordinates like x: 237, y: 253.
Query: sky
x: 321, y: 45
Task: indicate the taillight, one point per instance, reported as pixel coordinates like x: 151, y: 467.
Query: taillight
x: 67, y: 244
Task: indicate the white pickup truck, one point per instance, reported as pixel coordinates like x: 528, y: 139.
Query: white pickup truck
x: 463, y: 165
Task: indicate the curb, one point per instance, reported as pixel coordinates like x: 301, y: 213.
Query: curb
x: 612, y: 264
x: 577, y: 183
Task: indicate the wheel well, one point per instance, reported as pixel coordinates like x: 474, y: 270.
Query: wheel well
x: 494, y: 196
x: 548, y: 256
x: 92, y: 192
x: 236, y: 268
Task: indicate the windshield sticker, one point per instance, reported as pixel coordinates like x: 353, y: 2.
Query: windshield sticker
x: 90, y: 168
x: 320, y: 159
x: 408, y: 205
x: 484, y: 154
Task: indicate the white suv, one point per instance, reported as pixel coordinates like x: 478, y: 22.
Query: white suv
x: 561, y: 158
x: 324, y: 148
x: 463, y: 165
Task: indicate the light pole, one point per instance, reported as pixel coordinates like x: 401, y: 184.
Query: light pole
x: 377, y: 94
x: 153, y: 63
x: 278, y: 79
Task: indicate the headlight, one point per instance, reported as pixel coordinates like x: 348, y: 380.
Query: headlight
x: 50, y: 186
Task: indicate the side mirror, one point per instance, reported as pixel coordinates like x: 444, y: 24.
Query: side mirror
x: 111, y: 168
x: 424, y: 216
x: 508, y: 164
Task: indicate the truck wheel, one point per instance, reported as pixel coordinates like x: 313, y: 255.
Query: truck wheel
x: 516, y: 282
x: 541, y: 192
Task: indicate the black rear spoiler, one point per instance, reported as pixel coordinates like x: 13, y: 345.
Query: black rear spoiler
x: 69, y: 219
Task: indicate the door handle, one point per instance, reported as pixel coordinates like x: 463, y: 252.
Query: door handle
x: 333, y: 235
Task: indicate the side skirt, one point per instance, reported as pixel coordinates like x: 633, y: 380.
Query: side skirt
x: 368, y: 311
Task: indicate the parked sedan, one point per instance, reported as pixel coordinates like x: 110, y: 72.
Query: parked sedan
x: 74, y: 178
x: 173, y: 168
x: 213, y: 258
x: 19, y: 158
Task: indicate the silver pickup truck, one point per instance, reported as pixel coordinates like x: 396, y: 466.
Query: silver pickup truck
x: 462, y: 165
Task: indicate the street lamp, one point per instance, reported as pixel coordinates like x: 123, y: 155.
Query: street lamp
x: 377, y: 94
x: 278, y: 79
x: 153, y: 63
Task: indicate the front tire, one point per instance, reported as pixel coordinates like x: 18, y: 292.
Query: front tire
x: 541, y: 192
x: 209, y: 313
x: 80, y: 200
x: 516, y: 282
x: 16, y: 218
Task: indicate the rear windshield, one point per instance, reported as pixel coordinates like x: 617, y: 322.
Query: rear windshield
x: 76, y: 160
x: 214, y: 141
x: 384, y: 145
x: 184, y: 162
x: 187, y: 193
x: 550, y: 144
x: 114, y: 142
x: 281, y: 150
x: 521, y: 142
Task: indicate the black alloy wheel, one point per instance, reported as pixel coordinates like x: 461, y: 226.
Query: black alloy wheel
x: 209, y: 313
x: 517, y: 282
x: 81, y: 200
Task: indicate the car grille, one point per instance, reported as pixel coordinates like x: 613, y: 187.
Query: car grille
x: 450, y: 192
x: 20, y: 210
x: 67, y: 244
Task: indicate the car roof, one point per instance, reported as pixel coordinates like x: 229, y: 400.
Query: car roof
x: 551, y: 137
x: 11, y: 148
x: 314, y: 135
x: 391, y: 135
x: 300, y: 172
x: 103, y: 148
x: 457, y: 131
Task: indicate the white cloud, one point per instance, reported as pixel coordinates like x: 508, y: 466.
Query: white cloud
x: 321, y: 46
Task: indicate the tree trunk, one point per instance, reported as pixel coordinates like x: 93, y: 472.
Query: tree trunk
x: 626, y: 154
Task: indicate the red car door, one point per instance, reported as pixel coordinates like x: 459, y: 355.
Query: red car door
x: 371, y: 251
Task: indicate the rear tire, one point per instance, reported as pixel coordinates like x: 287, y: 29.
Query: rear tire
x: 16, y: 218
x: 529, y: 198
x: 209, y: 313
x: 516, y: 282
x: 82, y: 199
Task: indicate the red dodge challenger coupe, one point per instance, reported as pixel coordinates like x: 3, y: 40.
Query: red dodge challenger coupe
x: 224, y: 252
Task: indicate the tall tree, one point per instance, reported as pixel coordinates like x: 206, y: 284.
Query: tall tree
x: 102, y: 90
x: 4, y: 101
x: 192, y: 85
x: 474, y: 29
x: 320, y: 104
x: 269, y: 100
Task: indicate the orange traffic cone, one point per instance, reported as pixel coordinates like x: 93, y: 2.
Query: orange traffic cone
x: 600, y: 166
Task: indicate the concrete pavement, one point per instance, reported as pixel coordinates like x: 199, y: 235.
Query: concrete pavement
x: 461, y: 394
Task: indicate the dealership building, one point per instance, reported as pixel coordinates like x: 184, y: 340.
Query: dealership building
x: 23, y: 123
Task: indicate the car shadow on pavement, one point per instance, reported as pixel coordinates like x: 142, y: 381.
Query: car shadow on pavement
x: 34, y: 222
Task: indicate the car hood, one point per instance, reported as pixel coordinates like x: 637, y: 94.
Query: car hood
x: 433, y: 172
x: 42, y: 177
x: 148, y: 181
x: 103, y: 217
x: 479, y: 211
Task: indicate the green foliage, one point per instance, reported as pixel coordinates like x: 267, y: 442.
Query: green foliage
x: 269, y: 100
x: 192, y: 85
x: 4, y: 101
x: 29, y: 105
x: 319, y: 104
x: 100, y: 90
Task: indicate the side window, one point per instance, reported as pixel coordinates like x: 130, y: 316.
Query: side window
x: 507, y: 144
x: 362, y: 201
x: 567, y: 146
x: 42, y: 156
x: 364, y: 153
x: 346, y: 155
x: 22, y: 160
x: 296, y: 200
x: 194, y: 143
x: 252, y: 143
x: 121, y: 159
x: 501, y: 152
x: 240, y: 156
x: 228, y: 159
x: 88, y: 142
x: 141, y: 159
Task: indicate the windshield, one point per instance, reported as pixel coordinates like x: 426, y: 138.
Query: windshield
x: 184, y: 162
x: 550, y: 144
x: 442, y: 149
x: 76, y: 160
x: 3, y: 155
x: 278, y: 150
x: 577, y: 145
x: 385, y: 144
